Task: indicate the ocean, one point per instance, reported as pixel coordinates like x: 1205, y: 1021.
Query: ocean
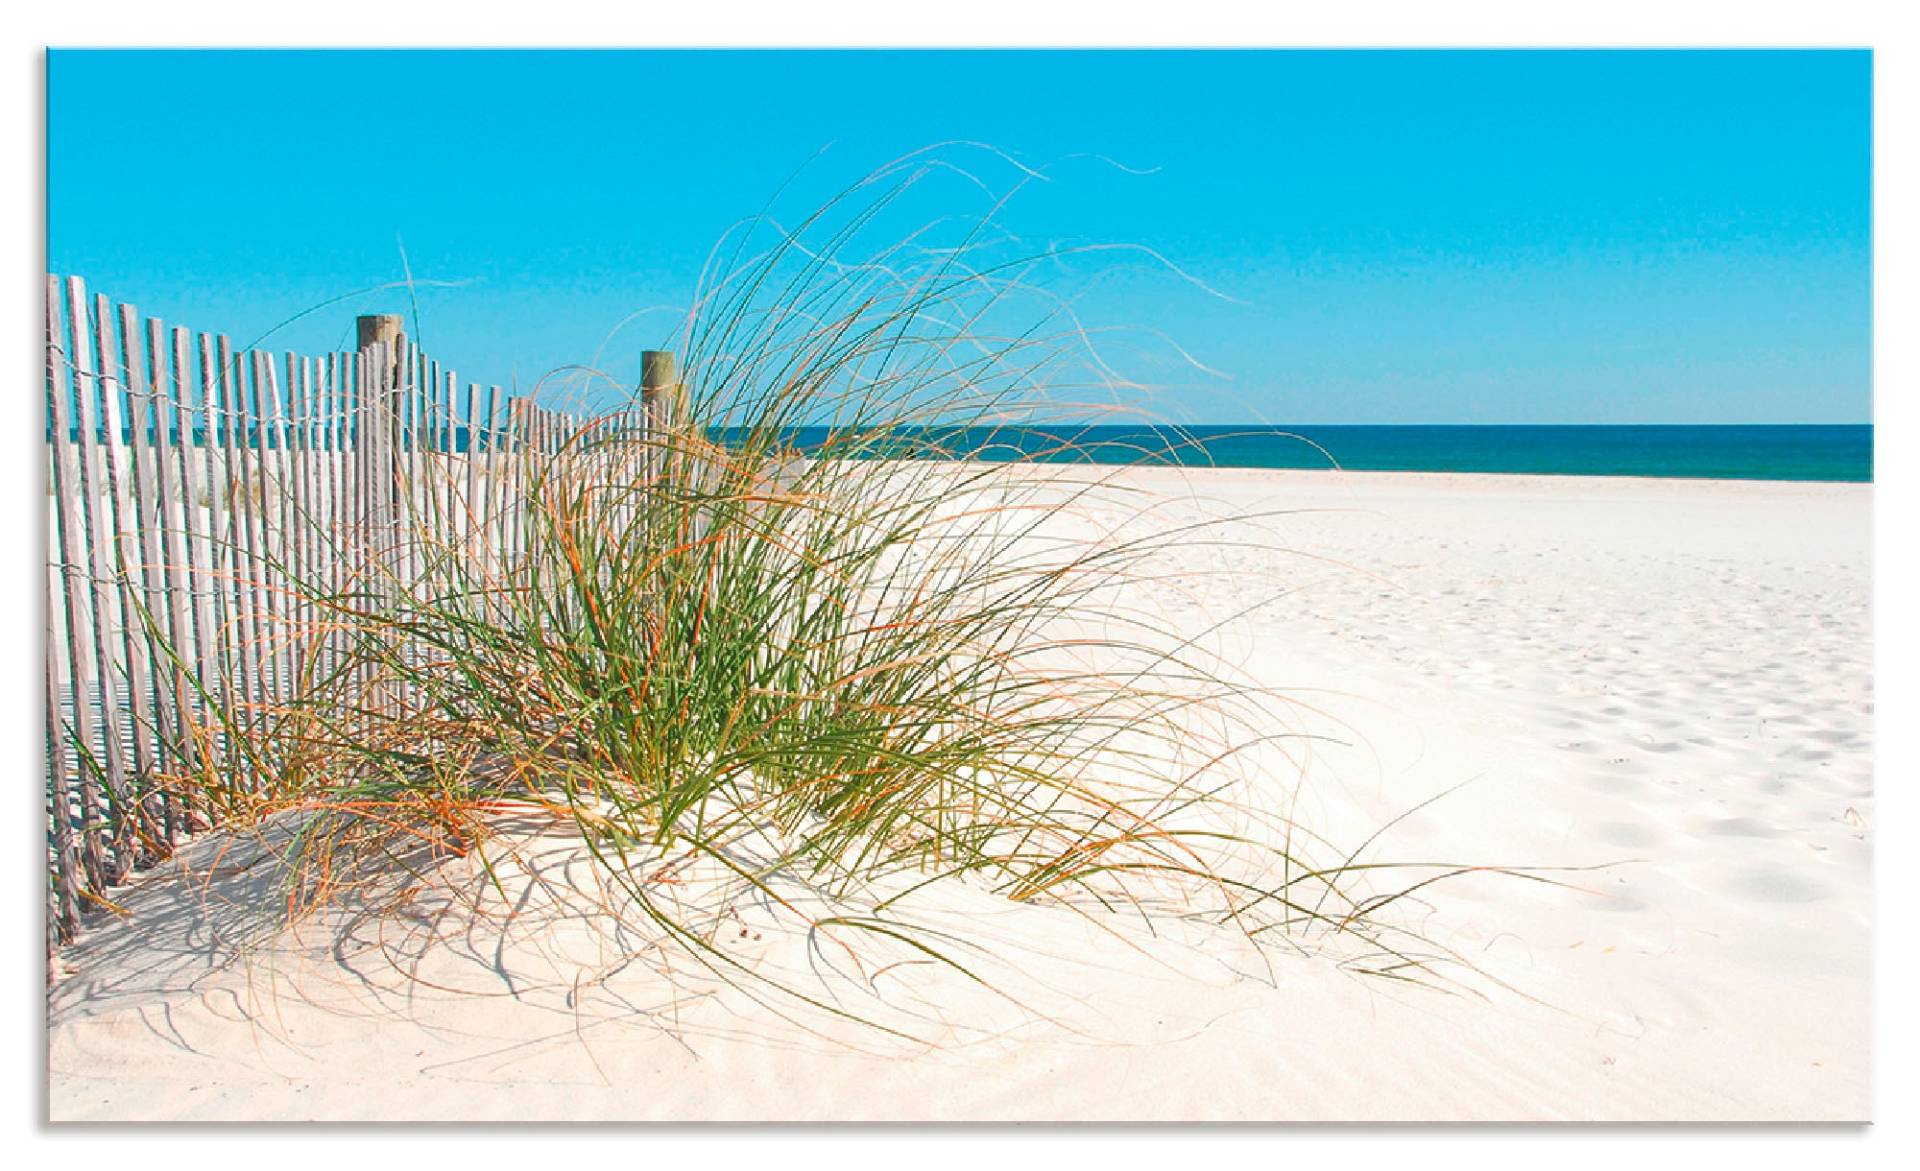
x: 1837, y: 452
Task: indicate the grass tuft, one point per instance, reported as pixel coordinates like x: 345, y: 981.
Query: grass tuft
x: 855, y: 624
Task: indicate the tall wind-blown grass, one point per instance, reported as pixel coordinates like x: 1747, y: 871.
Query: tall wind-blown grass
x: 905, y: 652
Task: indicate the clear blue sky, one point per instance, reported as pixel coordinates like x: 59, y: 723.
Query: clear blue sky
x: 1406, y: 236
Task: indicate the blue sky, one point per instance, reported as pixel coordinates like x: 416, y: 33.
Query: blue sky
x: 1400, y: 237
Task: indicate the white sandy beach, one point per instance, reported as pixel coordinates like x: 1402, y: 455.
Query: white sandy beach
x: 1673, y: 677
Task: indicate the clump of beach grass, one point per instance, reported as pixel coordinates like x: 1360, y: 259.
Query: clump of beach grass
x: 849, y: 622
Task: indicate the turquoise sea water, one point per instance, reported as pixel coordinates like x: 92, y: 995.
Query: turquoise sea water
x: 1837, y: 452
x: 1841, y: 452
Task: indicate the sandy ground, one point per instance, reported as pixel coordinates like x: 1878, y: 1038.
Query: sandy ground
x: 1669, y: 680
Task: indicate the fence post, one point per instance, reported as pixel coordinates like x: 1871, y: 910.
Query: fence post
x: 380, y: 344
x: 377, y: 329
x: 659, y: 405
x: 382, y: 350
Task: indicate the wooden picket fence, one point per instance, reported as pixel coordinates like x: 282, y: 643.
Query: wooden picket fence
x: 197, y: 495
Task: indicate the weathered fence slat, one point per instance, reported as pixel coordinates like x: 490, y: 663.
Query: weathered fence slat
x: 168, y: 599
x: 313, y: 501
x: 295, y: 523
x: 151, y: 481
x: 189, y: 603
x: 127, y: 821
x: 276, y: 484
x: 491, y: 543
x: 97, y: 834
x: 470, y: 457
x: 78, y: 729
x: 220, y: 600
x: 235, y: 439
x: 189, y: 559
x: 339, y: 406
x: 444, y: 465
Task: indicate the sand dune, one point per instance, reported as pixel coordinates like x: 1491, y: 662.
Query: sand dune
x: 1669, y: 682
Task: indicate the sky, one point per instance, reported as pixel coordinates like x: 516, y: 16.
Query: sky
x: 1310, y: 237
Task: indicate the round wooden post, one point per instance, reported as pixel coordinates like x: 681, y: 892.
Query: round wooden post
x: 381, y: 340
x: 383, y: 330
x: 378, y: 329
x: 659, y: 384
x: 381, y: 333
x: 659, y: 396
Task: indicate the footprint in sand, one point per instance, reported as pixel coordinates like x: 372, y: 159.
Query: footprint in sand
x: 1612, y: 783
x: 1777, y: 884
x: 1619, y: 904
x: 1626, y: 833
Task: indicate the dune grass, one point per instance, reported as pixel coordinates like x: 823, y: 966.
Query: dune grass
x: 916, y: 652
